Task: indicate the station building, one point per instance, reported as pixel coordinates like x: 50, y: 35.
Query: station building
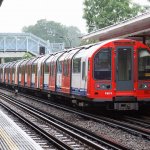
x: 137, y: 28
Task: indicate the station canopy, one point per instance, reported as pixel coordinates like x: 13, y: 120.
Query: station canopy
x: 137, y: 28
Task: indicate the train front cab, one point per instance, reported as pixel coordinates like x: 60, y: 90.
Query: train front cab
x: 121, y: 75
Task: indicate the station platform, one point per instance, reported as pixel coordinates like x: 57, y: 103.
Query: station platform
x: 12, y: 137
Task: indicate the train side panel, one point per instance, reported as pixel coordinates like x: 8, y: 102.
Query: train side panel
x: 53, y: 79
x: 79, y: 74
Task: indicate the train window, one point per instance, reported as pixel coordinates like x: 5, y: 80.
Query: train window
x: 13, y: 70
x: 26, y: 69
x: 29, y: 70
x: 83, y: 70
x: 35, y: 66
x: 77, y: 65
x: 59, y: 67
x: 22, y: 69
x: 33, y: 69
x: 124, y: 64
x: 102, y: 65
x: 19, y: 69
x: 88, y: 65
x: 144, y: 64
x: 41, y: 69
x: 46, y: 68
x: 66, y: 68
x: 52, y: 69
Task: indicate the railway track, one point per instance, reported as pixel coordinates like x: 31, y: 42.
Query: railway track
x: 129, y: 124
x: 64, y: 135
x: 44, y: 143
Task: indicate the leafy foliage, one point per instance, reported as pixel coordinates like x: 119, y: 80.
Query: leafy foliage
x: 55, y: 32
x: 11, y: 59
x: 102, y: 13
x: 27, y: 55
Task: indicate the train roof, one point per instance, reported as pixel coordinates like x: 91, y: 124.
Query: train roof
x: 58, y: 55
x: 91, y: 49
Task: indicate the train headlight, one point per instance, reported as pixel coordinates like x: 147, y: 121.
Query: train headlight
x: 103, y: 86
x: 144, y: 86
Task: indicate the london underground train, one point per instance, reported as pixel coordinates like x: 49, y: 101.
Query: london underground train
x: 114, y: 74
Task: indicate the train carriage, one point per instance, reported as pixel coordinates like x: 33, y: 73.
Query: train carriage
x: 79, y: 73
x: 23, y: 73
x: 35, y: 74
x: 18, y: 73
x: 38, y: 73
x: 46, y: 73
x: 66, y: 70
x: 34, y: 69
x: 50, y: 71
x: 7, y: 73
x: 29, y: 72
x: 50, y: 75
x: 26, y: 73
x: 43, y: 73
x: 114, y: 74
x: 60, y: 72
x: 12, y: 73
x: 31, y: 69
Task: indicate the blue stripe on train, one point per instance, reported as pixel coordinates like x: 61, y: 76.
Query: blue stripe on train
x: 46, y: 86
x: 77, y: 91
x: 32, y: 84
x: 58, y: 88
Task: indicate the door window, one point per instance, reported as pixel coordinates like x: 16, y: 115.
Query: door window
x: 144, y: 65
x: 77, y: 65
x: 124, y: 64
x: 83, y: 70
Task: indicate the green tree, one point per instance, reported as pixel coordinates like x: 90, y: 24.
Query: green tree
x: 27, y: 55
x: 55, y: 32
x: 101, y: 13
x: 72, y: 36
x: 11, y: 59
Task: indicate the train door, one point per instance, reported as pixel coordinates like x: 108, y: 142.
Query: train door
x: 83, y: 77
x: 124, y: 69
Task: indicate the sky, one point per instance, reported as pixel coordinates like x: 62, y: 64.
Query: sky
x: 15, y: 14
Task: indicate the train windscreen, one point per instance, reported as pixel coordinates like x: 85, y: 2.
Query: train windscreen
x: 144, y: 64
x: 102, y: 65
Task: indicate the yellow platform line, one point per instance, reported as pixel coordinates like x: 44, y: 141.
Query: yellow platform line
x: 8, y: 140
